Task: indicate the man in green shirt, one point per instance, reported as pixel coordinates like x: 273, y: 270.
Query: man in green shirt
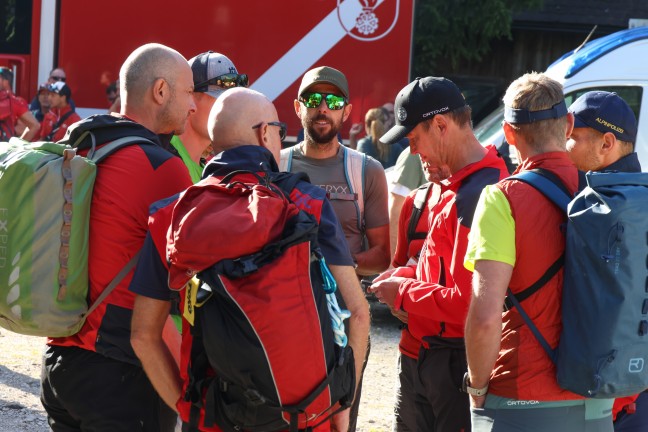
x: 213, y: 73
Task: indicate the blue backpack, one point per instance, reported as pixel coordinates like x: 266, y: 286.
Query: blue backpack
x: 604, y: 340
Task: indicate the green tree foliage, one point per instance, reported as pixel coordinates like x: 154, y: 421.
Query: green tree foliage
x: 454, y: 30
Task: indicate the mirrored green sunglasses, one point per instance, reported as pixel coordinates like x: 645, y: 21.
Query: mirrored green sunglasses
x: 313, y: 100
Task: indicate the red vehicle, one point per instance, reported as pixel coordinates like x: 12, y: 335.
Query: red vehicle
x: 274, y: 42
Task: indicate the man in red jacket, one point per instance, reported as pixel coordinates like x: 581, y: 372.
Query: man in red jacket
x: 61, y: 114
x: 434, y: 115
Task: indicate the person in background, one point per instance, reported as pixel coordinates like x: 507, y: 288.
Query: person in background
x: 112, y: 94
x: 376, y: 124
x: 13, y: 109
x: 61, y: 114
x: 410, y: 411
x: 55, y: 75
x: 43, y: 99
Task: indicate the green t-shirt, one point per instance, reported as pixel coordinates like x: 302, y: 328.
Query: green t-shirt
x: 195, y: 170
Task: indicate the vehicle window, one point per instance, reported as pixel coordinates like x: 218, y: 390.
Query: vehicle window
x: 15, y: 26
x: 632, y: 95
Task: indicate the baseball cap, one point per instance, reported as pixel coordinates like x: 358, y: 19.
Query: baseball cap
x: 605, y: 112
x: 209, y: 65
x: 60, y: 88
x: 43, y: 86
x: 421, y: 100
x: 324, y: 75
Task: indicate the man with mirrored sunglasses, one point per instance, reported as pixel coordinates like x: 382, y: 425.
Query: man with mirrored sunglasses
x: 354, y: 182
x: 213, y: 74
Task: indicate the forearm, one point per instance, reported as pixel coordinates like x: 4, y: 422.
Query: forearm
x: 372, y: 261
x: 482, y: 348
x: 359, y: 324
x: 395, y: 207
x: 161, y: 369
x: 30, y: 133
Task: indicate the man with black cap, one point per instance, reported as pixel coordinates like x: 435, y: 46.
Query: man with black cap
x: 61, y: 114
x: 603, y: 139
x: 434, y: 115
x: 515, y: 239
x: 213, y: 73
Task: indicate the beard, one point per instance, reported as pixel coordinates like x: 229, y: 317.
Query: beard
x: 173, y: 120
x: 319, y: 138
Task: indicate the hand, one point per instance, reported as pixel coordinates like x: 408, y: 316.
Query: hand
x: 386, y: 290
x: 401, y: 315
x: 340, y: 421
x: 384, y: 275
x: 356, y: 129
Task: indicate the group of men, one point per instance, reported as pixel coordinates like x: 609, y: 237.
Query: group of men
x: 480, y: 230
x: 46, y: 118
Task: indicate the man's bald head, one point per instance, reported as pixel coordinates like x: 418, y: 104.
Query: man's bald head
x: 144, y: 66
x: 156, y: 86
x: 233, y: 115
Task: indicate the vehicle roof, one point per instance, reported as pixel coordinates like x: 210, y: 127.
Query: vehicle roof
x: 625, y: 49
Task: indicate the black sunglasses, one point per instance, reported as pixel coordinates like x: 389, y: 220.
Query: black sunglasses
x: 283, y: 128
x: 224, y: 81
x: 57, y: 78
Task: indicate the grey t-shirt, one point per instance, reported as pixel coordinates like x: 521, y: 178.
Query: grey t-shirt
x: 329, y: 175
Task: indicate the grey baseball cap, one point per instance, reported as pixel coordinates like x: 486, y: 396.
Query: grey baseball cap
x: 208, y: 67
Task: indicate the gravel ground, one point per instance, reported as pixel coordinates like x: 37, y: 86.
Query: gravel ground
x: 20, y: 360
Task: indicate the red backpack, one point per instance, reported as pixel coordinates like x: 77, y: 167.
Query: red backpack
x: 262, y: 354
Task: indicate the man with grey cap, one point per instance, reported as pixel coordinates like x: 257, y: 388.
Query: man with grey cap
x: 213, y: 74
x: 435, y: 293
x: 603, y: 139
x: 354, y: 182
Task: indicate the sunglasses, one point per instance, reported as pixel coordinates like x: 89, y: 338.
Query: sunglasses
x: 57, y: 78
x: 225, y: 81
x: 313, y: 100
x: 283, y: 128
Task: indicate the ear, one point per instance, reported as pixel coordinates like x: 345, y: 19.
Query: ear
x: 509, y: 134
x: 440, y: 123
x: 160, y: 90
x: 347, y: 111
x: 297, y: 106
x: 608, y: 144
x: 262, y: 135
x: 570, y: 125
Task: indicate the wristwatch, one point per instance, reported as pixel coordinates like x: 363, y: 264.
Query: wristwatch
x: 465, y: 387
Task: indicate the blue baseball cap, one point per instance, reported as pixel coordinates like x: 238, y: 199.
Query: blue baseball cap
x: 605, y: 112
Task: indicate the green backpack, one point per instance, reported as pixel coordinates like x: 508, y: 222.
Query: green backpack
x: 45, y: 198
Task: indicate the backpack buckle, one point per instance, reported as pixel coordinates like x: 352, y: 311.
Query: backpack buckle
x: 508, y: 304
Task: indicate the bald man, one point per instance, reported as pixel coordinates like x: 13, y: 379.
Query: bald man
x: 245, y: 130
x: 93, y: 380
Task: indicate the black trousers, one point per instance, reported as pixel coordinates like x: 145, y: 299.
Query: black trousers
x: 85, y: 391
x: 412, y: 413
x: 441, y: 369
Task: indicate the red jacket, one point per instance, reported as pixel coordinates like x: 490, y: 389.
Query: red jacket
x: 52, y: 118
x: 523, y: 370
x: 437, y: 300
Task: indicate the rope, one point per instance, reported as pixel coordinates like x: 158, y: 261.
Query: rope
x: 337, y: 315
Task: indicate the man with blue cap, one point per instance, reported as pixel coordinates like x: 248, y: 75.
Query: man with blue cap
x: 603, y: 139
x: 604, y: 135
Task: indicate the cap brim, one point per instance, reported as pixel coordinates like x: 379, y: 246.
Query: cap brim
x: 215, y: 93
x: 395, y: 134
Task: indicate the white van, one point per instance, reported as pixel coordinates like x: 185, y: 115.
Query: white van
x: 616, y: 63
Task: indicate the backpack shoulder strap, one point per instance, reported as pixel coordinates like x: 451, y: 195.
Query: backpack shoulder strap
x: 285, y: 162
x: 97, y: 155
x: 548, y: 184
x: 420, y: 200
x: 354, y: 170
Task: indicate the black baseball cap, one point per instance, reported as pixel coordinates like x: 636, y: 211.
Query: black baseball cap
x: 421, y: 100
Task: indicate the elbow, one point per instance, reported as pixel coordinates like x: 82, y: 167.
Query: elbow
x: 140, y: 343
